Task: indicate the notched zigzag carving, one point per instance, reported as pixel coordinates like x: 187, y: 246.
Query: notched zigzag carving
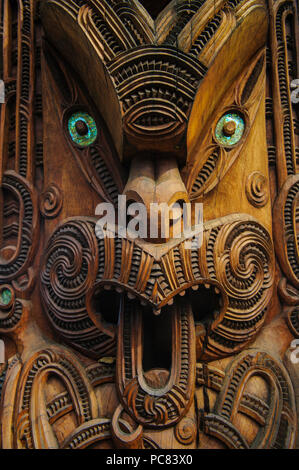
x: 285, y: 215
x: 34, y: 429
x: 235, y: 258
x: 283, y: 151
x: 156, y: 87
x: 155, y: 67
x: 18, y: 138
x: 26, y: 223
x: 219, y: 421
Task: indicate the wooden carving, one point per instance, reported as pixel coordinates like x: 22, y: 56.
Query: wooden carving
x: 149, y: 342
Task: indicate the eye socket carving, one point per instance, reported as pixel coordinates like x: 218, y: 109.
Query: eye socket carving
x: 230, y: 129
x: 82, y: 129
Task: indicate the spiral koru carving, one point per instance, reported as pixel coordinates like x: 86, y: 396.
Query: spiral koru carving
x: 256, y: 189
x: 186, y: 431
x: 51, y: 202
x: 240, y: 257
x: 68, y: 272
x: 124, y: 435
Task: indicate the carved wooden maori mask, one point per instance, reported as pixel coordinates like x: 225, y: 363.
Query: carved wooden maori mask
x: 169, y: 110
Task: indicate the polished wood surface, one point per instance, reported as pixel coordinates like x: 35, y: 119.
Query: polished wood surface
x: 146, y: 343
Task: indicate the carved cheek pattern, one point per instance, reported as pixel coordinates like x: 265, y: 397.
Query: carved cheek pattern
x: 69, y: 272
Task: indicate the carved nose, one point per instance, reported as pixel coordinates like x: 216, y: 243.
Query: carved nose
x: 157, y: 185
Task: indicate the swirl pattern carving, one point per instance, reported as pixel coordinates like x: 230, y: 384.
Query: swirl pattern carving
x: 257, y: 189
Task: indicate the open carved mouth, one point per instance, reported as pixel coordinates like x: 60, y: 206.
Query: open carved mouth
x: 156, y: 358
x: 163, y: 311
x: 205, y: 301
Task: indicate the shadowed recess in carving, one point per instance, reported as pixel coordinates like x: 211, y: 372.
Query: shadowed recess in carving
x: 154, y: 8
x: 107, y: 305
x: 157, y: 340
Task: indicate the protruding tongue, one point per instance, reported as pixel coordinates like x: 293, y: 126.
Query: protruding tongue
x: 148, y: 347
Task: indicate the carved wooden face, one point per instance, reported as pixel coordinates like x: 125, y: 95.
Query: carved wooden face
x: 142, y: 108
x: 149, y: 338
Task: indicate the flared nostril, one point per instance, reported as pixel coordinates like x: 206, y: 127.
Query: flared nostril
x: 155, y: 189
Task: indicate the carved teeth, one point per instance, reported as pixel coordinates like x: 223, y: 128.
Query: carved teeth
x: 157, y: 312
x: 217, y: 291
x: 182, y: 293
x: 107, y: 287
x: 143, y: 303
x: 171, y: 301
x: 196, y: 287
x: 131, y: 296
x: 207, y: 286
x: 119, y: 290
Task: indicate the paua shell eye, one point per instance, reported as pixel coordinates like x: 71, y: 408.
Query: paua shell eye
x: 6, y: 296
x: 83, y: 129
x: 230, y: 129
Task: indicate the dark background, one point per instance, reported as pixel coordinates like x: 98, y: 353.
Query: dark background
x: 154, y: 7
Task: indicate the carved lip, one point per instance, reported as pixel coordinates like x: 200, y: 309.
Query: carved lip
x: 206, y: 297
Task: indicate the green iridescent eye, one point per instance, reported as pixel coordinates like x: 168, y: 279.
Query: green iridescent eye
x: 5, y: 297
x: 230, y: 129
x: 83, y: 129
